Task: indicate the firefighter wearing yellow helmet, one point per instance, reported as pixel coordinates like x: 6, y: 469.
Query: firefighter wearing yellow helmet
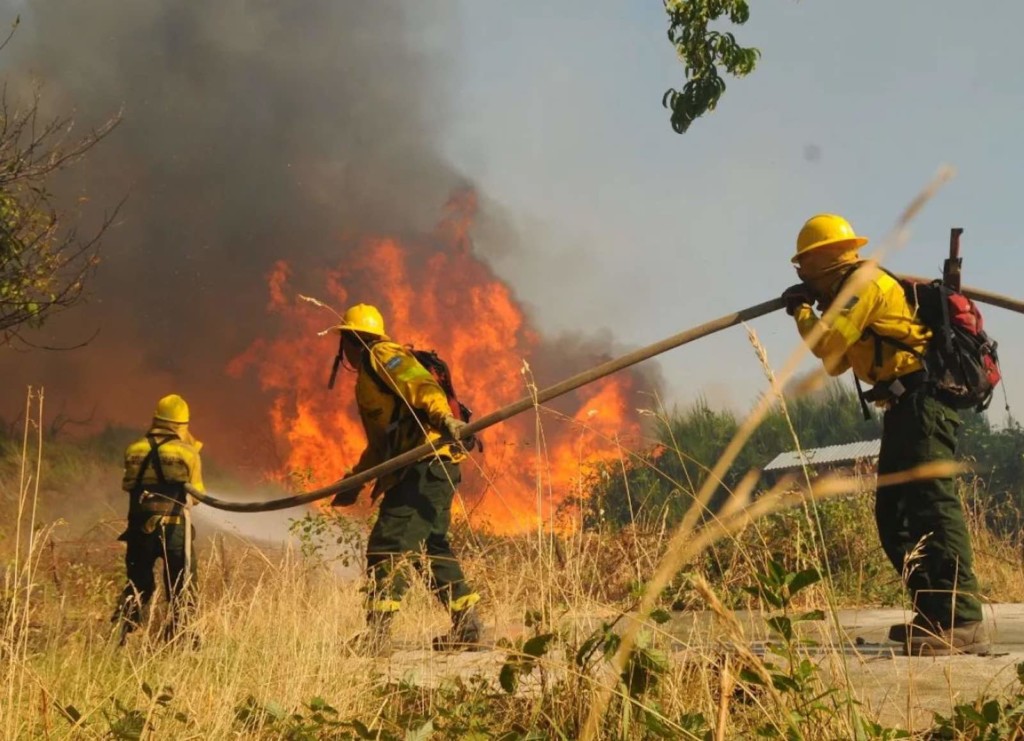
x: 877, y: 335
x: 402, y: 407
x: 156, y: 468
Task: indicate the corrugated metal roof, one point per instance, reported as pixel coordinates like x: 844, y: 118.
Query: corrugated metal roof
x: 863, y: 450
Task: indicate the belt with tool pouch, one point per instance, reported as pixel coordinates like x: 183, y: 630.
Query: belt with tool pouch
x: 896, y: 389
x: 150, y: 525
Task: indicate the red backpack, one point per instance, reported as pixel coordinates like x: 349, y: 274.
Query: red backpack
x: 961, y: 361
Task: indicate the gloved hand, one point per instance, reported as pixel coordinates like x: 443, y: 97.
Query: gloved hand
x: 797, y: 296
x: 346, y: 498
x: 455, y: 429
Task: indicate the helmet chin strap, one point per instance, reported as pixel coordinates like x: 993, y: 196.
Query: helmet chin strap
x: 340, y: 361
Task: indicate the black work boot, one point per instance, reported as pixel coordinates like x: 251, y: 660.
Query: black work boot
x: 375, y: 639
x: 465, y: 634
x: 126, y: 619
x: 919, y: 626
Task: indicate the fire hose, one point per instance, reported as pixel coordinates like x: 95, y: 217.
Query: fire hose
x: 551, y: 392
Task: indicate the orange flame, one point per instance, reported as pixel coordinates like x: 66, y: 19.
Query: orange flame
x: 435, y: 293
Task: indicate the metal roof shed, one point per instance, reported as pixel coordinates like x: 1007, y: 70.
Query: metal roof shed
x: 832, y: 455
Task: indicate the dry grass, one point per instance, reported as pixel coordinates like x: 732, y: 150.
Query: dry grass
x: 276, y: 630
x: 276, y: 625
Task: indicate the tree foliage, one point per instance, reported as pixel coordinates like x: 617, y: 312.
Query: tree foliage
x: 703, y: 51
x: 659, y: 486
x: 44, y: 262
x: 997, y: 455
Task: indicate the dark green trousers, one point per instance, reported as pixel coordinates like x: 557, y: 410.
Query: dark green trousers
x: 414, y: 518
x: 920, y: 429
x: 166, y: 544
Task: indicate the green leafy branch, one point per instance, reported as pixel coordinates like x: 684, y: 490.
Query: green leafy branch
x: 703, y: 51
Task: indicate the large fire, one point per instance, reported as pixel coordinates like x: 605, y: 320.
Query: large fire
x: 436, y: 294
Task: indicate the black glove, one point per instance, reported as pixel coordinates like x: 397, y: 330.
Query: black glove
x: 797, y: 296
x: 346, y: 498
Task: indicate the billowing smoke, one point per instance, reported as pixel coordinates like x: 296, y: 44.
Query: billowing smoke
x: 253, y: 131
x: 262, y: 134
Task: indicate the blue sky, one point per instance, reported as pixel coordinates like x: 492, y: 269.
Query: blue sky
x: 555, y: 113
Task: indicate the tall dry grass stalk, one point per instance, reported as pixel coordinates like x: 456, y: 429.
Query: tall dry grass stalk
x: 677, y: 552
x: 19, y: 575
x: 276, y: 627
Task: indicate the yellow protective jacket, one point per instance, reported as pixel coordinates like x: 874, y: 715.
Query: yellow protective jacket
x: 850, y: 342
x: 401, y: 407
x: 179, y: 458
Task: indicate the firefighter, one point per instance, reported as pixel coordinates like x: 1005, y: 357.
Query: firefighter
x: 156, y: 469
x: 402, y: 407
x: 876, y: 335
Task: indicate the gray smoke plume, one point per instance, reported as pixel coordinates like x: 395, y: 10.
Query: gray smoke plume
x: 252, y: 132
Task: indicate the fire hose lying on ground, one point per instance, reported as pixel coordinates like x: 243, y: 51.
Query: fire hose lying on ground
x: 551, y: 392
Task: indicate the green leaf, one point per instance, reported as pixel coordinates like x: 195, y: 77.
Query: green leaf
x: 147, y: 690
x: 362, y: 730
x: 611, y: 643
x: 992, y: 711
x: 803, y: 579
x: 969, y: 712
x: 785, y: 684
x: 509, y: 678
x: 587, y: 648
x: 812, y: 615
x: 694, y: 723
x: 318, y: 703
x: 275, y: 710
x: 751, y: 677
x: 71, y: 713
x: 767, y: 595
x: 538, y: 645
x: 422, y: 733
x: 777, y: 574
x: 782, y: 625
x: 660, y: 617
x: 657, y: 725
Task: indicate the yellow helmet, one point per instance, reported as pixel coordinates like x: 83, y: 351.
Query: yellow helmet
x: 172, y: 408
x: 826, y: 230
x: 362, y: 318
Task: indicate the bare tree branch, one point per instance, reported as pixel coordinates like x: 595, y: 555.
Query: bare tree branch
x: 44, y: 263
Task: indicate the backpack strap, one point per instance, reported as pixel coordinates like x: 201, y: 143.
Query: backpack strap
x: 862, y: 397
x: 878, y: 338
x: 367, y: 365
x: 947, y: 326
x: 166, y: 499
x: 152, y: 459
x: 337, y: 362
